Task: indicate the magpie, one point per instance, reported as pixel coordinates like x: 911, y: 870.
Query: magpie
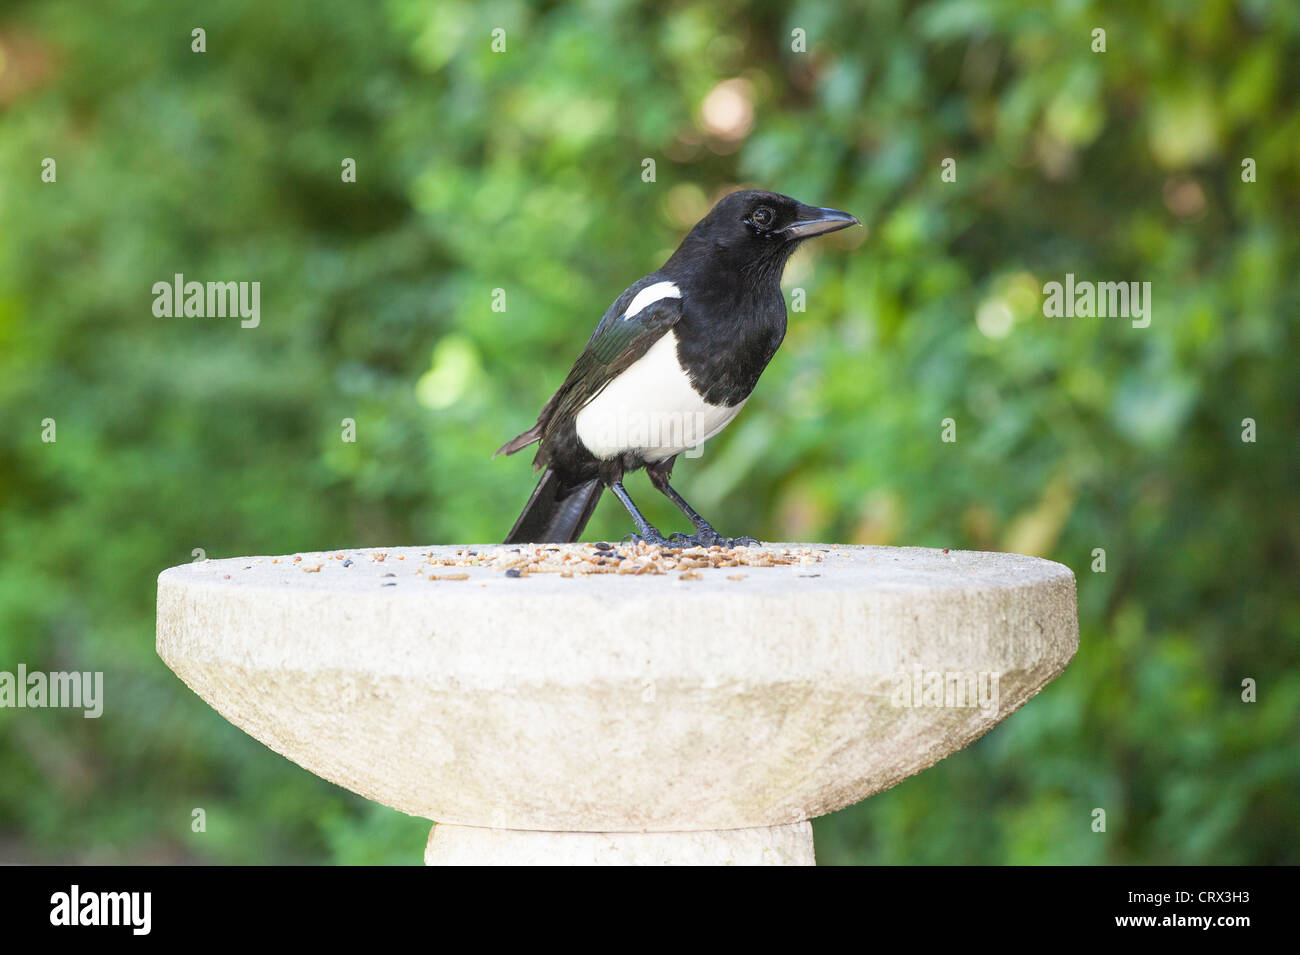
x: 672, y: 361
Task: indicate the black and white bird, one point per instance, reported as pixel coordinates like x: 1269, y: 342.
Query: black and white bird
x: 671, y: 363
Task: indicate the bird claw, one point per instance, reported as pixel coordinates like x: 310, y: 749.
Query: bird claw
x: 655, y: 540
x: 708, y: 537
x: 735, y: 542
x: 703, y: 538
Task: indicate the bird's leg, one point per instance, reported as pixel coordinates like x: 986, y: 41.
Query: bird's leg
x: 705, y: 535
x: 648, y: 532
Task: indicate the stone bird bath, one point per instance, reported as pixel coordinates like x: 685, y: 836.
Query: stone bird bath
x: 618, y: 718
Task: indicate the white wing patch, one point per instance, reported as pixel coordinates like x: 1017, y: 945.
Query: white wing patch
x: 649, y: 295
x: 652, y: 408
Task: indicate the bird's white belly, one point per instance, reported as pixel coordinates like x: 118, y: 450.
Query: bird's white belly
x: 652, y: 408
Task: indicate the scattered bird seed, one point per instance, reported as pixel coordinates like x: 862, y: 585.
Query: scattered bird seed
x: 630, y: 558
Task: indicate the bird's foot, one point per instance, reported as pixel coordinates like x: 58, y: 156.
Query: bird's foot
x: 653, y: 538
x: 707, y: 537
x: 704, y: 537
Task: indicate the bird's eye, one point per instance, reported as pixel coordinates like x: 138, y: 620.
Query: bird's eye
x: 762, y: 217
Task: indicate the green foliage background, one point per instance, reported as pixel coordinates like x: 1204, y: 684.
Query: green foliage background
x: 522, y: 171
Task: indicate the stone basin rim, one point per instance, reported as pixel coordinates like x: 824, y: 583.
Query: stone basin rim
x: 1029, y: 572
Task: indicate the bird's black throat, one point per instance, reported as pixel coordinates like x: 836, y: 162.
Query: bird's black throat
x: 733, y: 313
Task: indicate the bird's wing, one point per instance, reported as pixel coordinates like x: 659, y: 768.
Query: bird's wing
x: 618, y: 341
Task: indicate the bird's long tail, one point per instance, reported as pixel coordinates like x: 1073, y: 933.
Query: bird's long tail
x: 557, y: 512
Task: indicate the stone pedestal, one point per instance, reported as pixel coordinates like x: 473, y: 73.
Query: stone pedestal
x: 470, y: 845
x: 619, y: 719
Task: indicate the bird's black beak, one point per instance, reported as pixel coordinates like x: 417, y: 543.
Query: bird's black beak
x: 814, y: 221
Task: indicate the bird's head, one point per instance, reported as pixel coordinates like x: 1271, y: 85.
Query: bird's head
x: 757, y: 228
